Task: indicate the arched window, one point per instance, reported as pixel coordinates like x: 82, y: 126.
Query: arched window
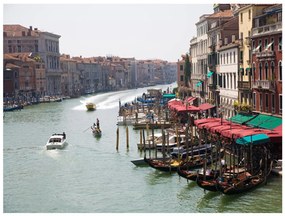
x: 266, y: 71
x: 280, y: 70
x: 260, y: 71
x: 272, y: 70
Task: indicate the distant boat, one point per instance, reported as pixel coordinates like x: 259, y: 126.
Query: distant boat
x: 90, y: 106
x: 56, y: 141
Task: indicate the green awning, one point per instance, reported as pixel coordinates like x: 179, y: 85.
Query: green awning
x: 169, y: 96
x: 253, y: 139
x: 242, y: 118
x: 199, y: 83
x: 210, y: 74
x: 265, y: 121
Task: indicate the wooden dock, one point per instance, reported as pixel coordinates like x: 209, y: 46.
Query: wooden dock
x: 156, y: 125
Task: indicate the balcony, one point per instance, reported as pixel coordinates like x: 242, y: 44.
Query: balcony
x: 240, y: 43
x: 212, y: 87
x: 267, y: 29
x: 265, y: 54
x: 247, y: 41
x: 243, y: 85
x: 196, y: 76
x: 263, y: 84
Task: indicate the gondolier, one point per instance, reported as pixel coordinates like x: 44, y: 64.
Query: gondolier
x: 98, y: 123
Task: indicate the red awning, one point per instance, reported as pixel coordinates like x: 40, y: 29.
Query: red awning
x: 279, y: 128
x: 209, y: 125
x: 190, y: 99
x: 200, y: 121
x: 206, y: 106
x: 183, y: 108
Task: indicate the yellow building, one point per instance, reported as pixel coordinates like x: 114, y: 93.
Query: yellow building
x: 246, y: 15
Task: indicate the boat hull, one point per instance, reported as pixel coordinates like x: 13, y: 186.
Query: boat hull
x: 56, y: 141
x: 91, y: 106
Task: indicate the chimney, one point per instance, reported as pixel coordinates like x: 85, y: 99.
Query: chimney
x: 31, y: 28
x: 36, y: 29
x: 226, y: 41
x: 233, y: 38
x: 220, y: 42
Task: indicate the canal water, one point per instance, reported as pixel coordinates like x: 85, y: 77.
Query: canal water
x: 90, y: 176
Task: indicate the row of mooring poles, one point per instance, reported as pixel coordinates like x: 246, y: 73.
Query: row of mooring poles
x: 118, y: 138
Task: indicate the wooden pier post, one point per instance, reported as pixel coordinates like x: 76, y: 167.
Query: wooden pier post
x: 117, y: 143
x: 127, y: 137
x: 143, y: 143
x: 141, y: 146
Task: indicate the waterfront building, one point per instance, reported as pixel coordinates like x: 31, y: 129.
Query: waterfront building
x: 169, y: 71
x: 246, y: 14
x: 199, y: 53
x: 228, y: 73
x: 24, y: 75
x: 19, y: 39
x: 70, y: 78
x: 223, y: 30
x: 195, y: 76
x: 180, y: 71
x: 266, y: 42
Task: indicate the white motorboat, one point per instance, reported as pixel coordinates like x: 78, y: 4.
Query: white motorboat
x: 56, y: 141
x: 172, y: 142
x: 149, y: 141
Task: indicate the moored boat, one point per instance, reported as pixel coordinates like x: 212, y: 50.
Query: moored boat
x: 242, y: 183
x: 163, y: 165
x: 56, y: 141
x: 194, y: 174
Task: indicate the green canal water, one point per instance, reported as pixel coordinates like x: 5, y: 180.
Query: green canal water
x: 90, y: 176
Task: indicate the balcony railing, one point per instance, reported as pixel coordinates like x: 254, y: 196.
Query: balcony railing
x: 264, y: 84
x: 243, y: 85
x: 267, y: 29
x: 212, y: 87
x: 265, y: 54
x: 240, y: 42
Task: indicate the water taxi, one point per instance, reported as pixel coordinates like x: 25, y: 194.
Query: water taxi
x: 90, y: 106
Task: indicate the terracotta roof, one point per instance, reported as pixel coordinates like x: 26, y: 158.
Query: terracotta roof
x: 225, y: 13
x: 9, y: 57
x: 17, y: 31
x: 10, y: 65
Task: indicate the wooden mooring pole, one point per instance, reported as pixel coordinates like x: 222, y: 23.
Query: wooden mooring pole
x: 117, y: 143
x: 127, y: 137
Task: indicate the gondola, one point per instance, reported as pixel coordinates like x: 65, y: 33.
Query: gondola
x: 172, y: 164
x: 210, y: 185
x: 96, y: 131
x: 240, y: 184
x: 193, y: 175
x: 166, y: 166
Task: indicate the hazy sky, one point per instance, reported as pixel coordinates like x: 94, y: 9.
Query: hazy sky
x: 143, y: 31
